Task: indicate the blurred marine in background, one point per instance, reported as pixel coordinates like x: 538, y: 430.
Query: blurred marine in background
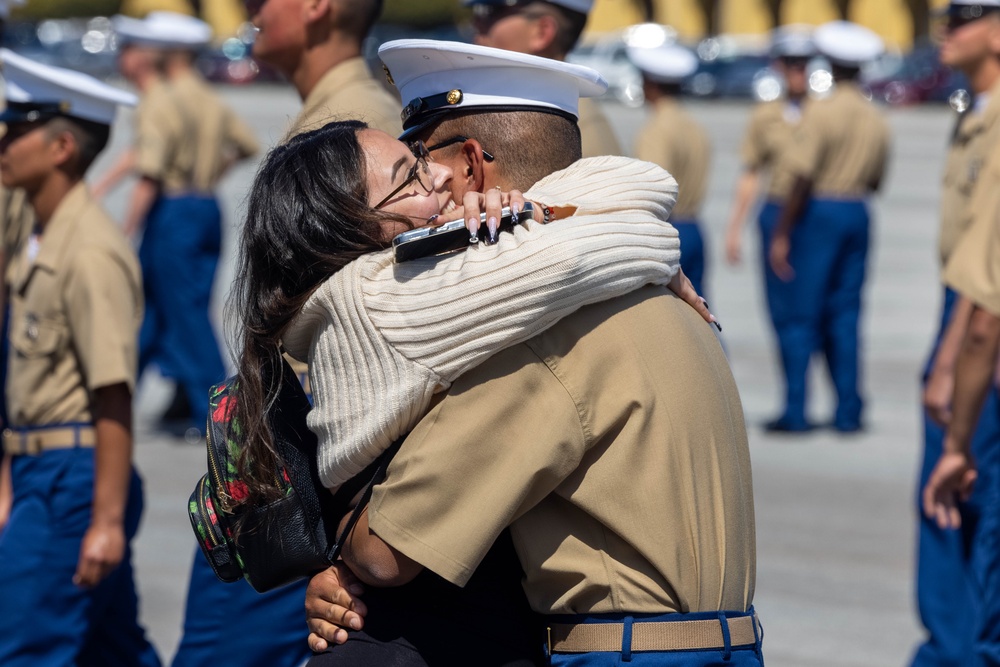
x: 186, y: 139
x: 550, y: 29
x: 673, y: 139
x: 820, y: 243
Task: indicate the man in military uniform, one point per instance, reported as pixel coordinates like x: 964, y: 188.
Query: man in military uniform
x: 550, y: 29
x: 556, y: 424
x: 76, y: 306
x: 186, y: 138
x: 959, y: 572
x: 319, y: 49
x: 770, y: 134
x: 674, y: 140
x: 820, y: 244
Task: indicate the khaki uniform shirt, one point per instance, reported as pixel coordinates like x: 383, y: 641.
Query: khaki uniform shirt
x: 186, y: 136
x: 841, y: 145
x: 769, y: 135
x: 613, y: 445
x: 16, y: 220
x: 349, y: 92
x: 595, y: 131
x: 975, y: 137
x: 672, y: 139
x: 973, y: 270
x: 75, y: 315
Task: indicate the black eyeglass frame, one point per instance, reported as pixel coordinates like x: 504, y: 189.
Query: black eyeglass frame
x: 458, y: 138
x: 422, y: 154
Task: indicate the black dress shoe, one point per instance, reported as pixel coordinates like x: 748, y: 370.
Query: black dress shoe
x: 785, y: 425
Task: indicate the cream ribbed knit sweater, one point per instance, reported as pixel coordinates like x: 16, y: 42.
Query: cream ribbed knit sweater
x: 381, y: 338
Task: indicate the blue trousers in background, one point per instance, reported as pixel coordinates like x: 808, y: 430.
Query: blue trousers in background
x: 747, y: 656
x: 820, y: 308
x: 692, y: 252
x: 232, y: 624
x: 45, y: 619
x: 179, y: 256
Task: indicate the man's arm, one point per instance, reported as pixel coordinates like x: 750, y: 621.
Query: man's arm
x: 955, y: 473
x: 793, y: 209
x: 374, y: 561
x: 746, y: 190
x: 122, y: 167
x: 6, y: 491
x: 145, y: 193
x: 940, y: 386
x: 104, y: 542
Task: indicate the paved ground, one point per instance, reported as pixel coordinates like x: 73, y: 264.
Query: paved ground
x: 835, y: 515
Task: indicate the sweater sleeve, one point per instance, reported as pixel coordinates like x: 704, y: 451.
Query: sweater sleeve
x: 394, y: 334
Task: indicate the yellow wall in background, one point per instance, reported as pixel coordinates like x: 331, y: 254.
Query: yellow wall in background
x: 891, y: 19
x: 613, y: 15
x: 684, y: 15
x: 225, y: 16
x: 813, y: 12
x: 744, y: 16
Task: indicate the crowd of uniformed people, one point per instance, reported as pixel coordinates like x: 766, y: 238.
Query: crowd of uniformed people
x: 556, y: 537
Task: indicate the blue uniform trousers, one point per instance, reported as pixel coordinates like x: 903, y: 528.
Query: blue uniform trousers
x: 820, y: 308
x: 730, y: 656
x: 179, y: 255
x: 957, y: 571
x: 232, y: 624
x: 45, y: 619
x: 692, y: 252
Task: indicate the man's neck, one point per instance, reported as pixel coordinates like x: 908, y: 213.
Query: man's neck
x: 320, y: 59
x: 146, y: 80
x: 983, y: 77
x: 47, y: 198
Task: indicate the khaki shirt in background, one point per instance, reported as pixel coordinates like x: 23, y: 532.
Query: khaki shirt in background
x: 349, y: 92
x: 75, y: 315
x: 841, y: 145
x: 613, y: 445
x: 186, y: 136
x: 770, y: 133
x: 16, y: 220
x: 672, y: 139
x: 595, y: 131
x: 976, y: 136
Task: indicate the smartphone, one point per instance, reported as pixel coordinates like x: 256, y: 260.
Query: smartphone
x: 449, y: 237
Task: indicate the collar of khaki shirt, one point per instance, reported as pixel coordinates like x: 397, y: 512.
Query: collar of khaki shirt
x: 350, y: 71
x: 56, y: 238
x: 974, y: 123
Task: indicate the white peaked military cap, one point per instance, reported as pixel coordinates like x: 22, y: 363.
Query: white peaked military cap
x: 970, y: 9
x: 582, y: 6
x: 667, y: 63
x: 41, y: 92
x: 848, y: 44
x: 167, y: 30
x: 436, y: 78
x: 794, y: 41
x: 7, y: 5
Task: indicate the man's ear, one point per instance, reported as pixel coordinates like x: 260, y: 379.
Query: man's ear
x: 315, y: 10
x: 474, y: 165
x: 543, y: 34
x: 64, y: 149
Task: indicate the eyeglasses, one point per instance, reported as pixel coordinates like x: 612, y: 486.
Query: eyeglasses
x: 458, y: 138
x: 484, y: 16
x: 419, y: 172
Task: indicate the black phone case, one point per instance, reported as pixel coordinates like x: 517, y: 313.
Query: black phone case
x: 449, y: 237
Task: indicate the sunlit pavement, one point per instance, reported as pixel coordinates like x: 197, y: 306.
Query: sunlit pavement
x: 835, y: 515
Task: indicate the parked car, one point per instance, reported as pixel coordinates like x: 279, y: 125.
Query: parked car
x: 607, y: 55
x: 919, y: 77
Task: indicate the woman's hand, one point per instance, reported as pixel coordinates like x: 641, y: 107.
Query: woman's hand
x: 491, y: 202
x: 332, y: 606
x: 682, y: 287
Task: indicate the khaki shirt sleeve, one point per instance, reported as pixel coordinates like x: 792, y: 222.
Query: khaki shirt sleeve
x: 753, y: 152
x: 154, y: 139
x: 505, y: 436
x: 102, y: 304
x: 974, y: 267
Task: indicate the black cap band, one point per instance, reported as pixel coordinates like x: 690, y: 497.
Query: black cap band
x: 30, y: 112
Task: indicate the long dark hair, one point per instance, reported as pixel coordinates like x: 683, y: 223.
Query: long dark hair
x: 307, y: 218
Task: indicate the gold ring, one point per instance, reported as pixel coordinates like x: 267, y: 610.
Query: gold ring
x: 497, y: 187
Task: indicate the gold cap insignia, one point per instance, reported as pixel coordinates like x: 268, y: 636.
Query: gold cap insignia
x: 454, y: 96
x: 388, y: 75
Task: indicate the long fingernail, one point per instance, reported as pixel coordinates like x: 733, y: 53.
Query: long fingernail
x: 514, y: 210
x: 491, y: 225
x: 473, y: 229
x: 717, y: 325
x: 430, y: 220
